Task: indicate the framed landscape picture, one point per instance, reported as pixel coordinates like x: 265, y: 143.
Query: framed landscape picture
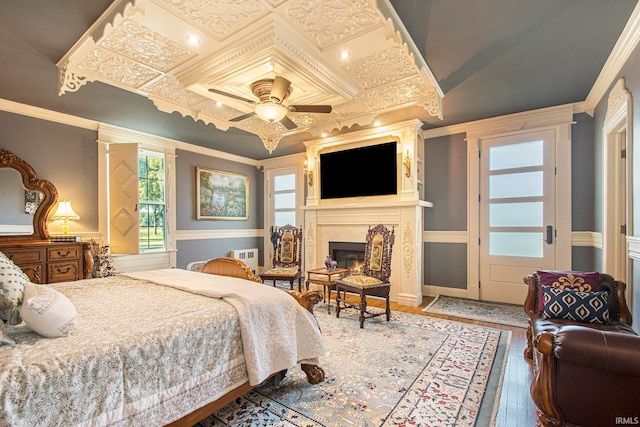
x: 221, y: 195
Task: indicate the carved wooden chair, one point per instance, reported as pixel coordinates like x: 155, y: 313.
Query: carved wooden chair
x: 287, y: 256
x: 374, y: 278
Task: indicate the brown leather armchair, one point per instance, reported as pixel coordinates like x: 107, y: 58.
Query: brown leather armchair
x: 585, y: 374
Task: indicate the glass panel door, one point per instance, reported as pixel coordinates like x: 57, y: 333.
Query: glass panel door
x: 516, y: 212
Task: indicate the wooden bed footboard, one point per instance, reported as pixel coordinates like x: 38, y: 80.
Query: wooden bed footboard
x: 230, y: 267
x: 235, y: 268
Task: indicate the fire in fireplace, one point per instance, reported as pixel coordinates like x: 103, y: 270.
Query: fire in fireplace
x: 349, y: 255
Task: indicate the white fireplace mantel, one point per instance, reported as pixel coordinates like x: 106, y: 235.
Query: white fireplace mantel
x: 350, y: 222
x: 347, y: 220
x: 370, y: 205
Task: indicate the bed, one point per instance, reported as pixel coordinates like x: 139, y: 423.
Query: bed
x: 166, y: 347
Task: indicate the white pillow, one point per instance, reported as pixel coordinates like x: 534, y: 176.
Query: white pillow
x: 47, y: 311
x: 12, y: 281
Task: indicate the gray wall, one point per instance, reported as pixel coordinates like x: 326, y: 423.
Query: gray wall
x: 68, y: 157
x: 445, y: 265
x: 64, y: 155
x: 584, y: 188
x: 445, y: 181
x: 196, y: 250
x: 583, y: 179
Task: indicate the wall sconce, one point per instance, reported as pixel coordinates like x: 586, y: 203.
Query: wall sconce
x: 309, y: 174
x: 406, y: 163
x: 65, y: 214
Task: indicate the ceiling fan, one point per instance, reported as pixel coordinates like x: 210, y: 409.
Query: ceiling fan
x: 271, y: 93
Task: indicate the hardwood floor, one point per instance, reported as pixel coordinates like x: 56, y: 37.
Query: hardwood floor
x: 516, y: 407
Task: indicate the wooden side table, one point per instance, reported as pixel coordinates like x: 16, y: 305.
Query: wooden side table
x: 326, y: 278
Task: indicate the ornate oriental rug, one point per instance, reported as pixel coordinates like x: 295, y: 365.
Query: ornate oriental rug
x: 503, y: 314
x: 413, y: 370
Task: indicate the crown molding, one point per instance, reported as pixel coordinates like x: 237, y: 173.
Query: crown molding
x: 114, y: 134
x: 44, y: 114
x: 624, y: 46
x: 122, y: 134
x: 526, y: 120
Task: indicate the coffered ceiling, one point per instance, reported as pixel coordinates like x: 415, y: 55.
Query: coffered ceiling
x: 353, y: 55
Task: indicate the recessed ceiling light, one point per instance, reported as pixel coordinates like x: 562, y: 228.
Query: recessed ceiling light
x: 193, y: 40
x: 344, y: 54
x: 325, y: 134
x: 376, y: 123
x: 218, y: 104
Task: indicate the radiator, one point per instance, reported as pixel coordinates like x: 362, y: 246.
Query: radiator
x: 248, y: 256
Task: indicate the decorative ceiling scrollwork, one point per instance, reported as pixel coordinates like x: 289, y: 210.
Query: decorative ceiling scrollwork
x: 143, y: 46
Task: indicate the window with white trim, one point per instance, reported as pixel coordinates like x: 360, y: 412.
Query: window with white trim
x: 152, y: 211
x: 284, y: 199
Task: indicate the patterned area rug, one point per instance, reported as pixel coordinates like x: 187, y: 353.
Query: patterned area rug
x: 503, y: 314
x: 414, y: 370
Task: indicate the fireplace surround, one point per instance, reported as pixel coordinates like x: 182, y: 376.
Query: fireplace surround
x: 349, y: 223
x: 348, y: 219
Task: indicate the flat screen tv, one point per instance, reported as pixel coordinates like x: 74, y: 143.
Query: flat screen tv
x: 358, y: 172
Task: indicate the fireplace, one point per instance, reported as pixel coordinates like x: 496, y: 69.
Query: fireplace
x: 349, y: 255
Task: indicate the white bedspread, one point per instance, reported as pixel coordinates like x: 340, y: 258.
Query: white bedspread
x: 272, y: 340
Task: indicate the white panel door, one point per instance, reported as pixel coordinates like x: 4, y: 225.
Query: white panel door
x: 123, y: 199
x: 517, y: 212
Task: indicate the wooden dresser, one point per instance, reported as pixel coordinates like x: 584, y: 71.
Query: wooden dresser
x: 45, y: 261
x: 41, y: 259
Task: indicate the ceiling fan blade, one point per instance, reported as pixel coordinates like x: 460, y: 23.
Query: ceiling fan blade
x: 288, y: 123
x: 310, y: 108
x: 242, y: 117
x: 230, y: 95
x: 279, y: 88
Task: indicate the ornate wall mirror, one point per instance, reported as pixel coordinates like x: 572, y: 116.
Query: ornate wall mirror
x: 26, y: 200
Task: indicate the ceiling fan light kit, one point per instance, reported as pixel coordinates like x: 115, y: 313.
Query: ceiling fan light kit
x: 249, y: 64
x: 271, y: 112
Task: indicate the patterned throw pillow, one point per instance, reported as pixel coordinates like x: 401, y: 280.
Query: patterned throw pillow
x: 12, y: 281
x: 586, y: 307
x: 47, y: 311
x: 582, y: 281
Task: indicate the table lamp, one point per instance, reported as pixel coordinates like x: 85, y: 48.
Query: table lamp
x: 65, y: 214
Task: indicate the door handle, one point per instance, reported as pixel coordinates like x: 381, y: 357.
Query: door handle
x: 549, y: 234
